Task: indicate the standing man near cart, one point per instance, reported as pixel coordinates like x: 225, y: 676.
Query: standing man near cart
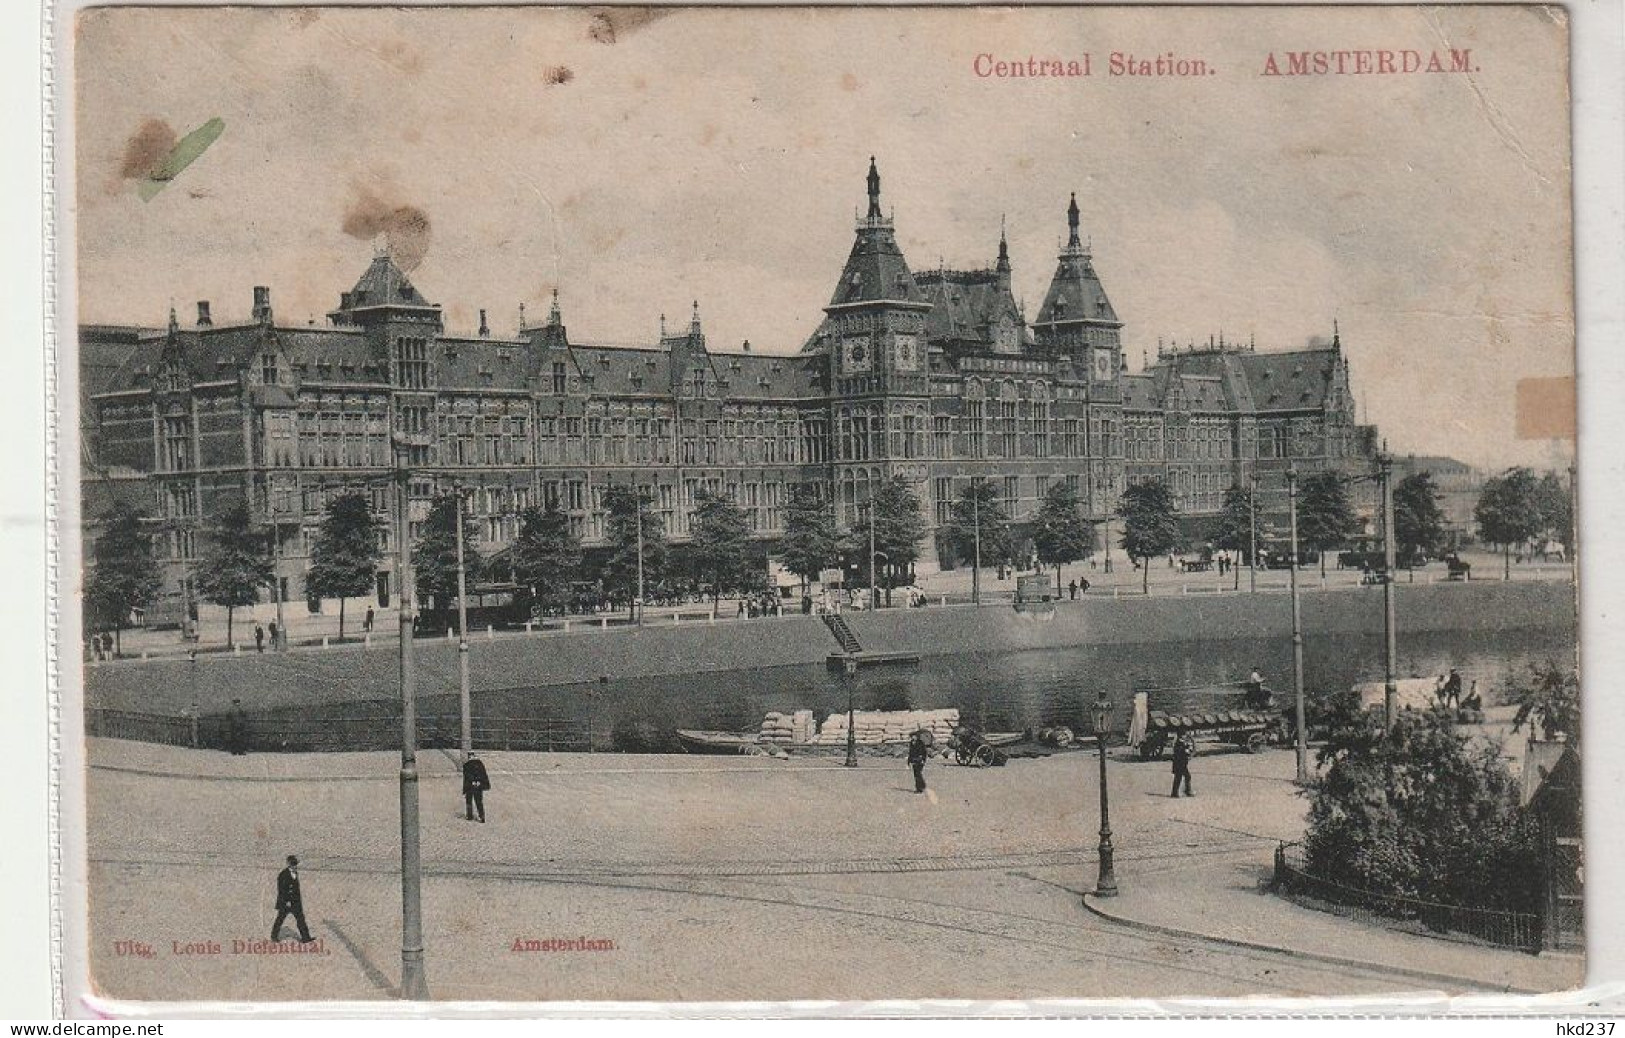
x: 916, y: 760
x: 1184, y: 747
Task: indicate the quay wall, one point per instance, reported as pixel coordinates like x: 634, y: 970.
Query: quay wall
x: 354, y: 673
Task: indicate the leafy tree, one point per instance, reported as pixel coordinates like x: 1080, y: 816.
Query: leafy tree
x: 1550, y: 700
x: 976, y: 508
x: 720, y: 543
x: 810, y: 543
x: 123, y: 575
x: 1150, y: 524
x: 1060, y: 532
x: 1419, y: 811
x: 1557, y: 510
x: 546, y: 556
x: 1508, y: 511
x: 899, y: 526
x: 1418, y: 519
x: 236, y: 563
x: 434, y: 557
x: 623, y: 505
x: 344, y: 557
x: 1325, y: 516
x: 1237, y: 529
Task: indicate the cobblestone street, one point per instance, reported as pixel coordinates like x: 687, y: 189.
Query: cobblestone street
x: 714, y: 877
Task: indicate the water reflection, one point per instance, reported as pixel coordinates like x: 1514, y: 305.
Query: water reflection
x: 1005, y: 691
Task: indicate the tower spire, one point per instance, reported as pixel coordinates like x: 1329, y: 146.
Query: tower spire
x: 1003, y: 266
x: 1072, y: 241
x: 874, y: 190
x: 554, y: 318
x: 1337, y: 338
x: 694, y: 321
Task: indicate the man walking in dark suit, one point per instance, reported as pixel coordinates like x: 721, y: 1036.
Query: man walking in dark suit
x: 475, y: 782
x: 916, y: 760
x: 289, y: 902
x: 1183, y: 748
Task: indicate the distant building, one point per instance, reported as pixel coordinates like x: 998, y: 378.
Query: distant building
x: 934, y: 376
x: 1458, y: 484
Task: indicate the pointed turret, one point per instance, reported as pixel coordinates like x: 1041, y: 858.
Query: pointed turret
x: 554, y: 317
x: 1002, y: 268
x: 875, y: 270
x: 1076, y: 312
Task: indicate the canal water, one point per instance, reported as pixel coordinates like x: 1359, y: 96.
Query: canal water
x: 994, y: 691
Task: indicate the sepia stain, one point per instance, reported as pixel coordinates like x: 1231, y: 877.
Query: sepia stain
x: 557, y: 75
x: 639, y: 83
x: 154, y: 157
x: 412, y: 135
x: 708, y: 134
x: 1545, y: 408
x: 610, y: 24
x: 405, y: 228
x: 305, y: 17
x: 401, y: 57
x: 849, y: 82
x: 146, y: 149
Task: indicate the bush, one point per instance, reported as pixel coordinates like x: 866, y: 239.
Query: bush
x: 1420, y: 812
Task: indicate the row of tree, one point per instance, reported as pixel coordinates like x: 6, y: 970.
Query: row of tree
x: 547, y: 563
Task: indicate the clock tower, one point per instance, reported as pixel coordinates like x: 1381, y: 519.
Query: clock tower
x: 879, y: 365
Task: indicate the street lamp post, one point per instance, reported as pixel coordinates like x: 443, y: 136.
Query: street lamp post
x: 1385, y: 476
x: 414, y: 984
x: 281, y: 638
x: 976, y: 528
x: 850, y: 670
x: 1106, y: 880
x: 1297, y: 628
x: 874, y: 592
x: 637, y: 495
x: 1252, y: 534
x: 464, y: 698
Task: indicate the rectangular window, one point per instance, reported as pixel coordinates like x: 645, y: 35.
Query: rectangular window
x: 1012, y: 494
x: 412, y: 363
x: 558, y: 378
x: 944, y: 494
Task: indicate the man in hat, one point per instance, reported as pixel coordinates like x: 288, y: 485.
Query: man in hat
x: 1184, y: 747
x: 916, y: 759
x: 289, y: 902
x: 475, y: 782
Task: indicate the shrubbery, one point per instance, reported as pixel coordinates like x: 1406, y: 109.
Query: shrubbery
x: 1420, y: 812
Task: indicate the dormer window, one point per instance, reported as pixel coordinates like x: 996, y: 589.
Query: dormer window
x: 268, y: 368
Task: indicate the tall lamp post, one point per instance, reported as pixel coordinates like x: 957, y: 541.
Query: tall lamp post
x: 281, y: 639
x: 850, y: 670
x: 414, y: 984
x: 976, y: 528
x: 464, y: 699
x: 1106, y: 880
x: 637, y: 495
x: 1252, y: 533
x: 1297, y: 628
x: 1385, y: 476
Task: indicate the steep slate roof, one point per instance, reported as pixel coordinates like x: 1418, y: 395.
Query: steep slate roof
x: 1289, y: 381
x: 1075, y: 292
x: 384, y: 283
x: 625, y: 370
x: 1140, y: 393
x: 479, y: 363
x: 964, y: 303
x: 1202, y: 393
x: 875, y: 269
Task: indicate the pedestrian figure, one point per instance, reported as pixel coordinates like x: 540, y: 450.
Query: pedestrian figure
x: 1072, y: 590
x: 1183, y: 748
x: 1083, y: 587
x: 475, y: 782
x: 366, y: 622
x: 237, y: 729
x: 273, y: 628
x: 916, y: 760
x: 1452, y: 689
x: 290, y: 902
x: 259, y: 638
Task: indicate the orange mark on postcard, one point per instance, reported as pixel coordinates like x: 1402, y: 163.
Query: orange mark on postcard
x: 1546, y: 408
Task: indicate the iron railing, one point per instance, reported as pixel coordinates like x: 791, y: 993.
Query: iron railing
x: 1508, y: 929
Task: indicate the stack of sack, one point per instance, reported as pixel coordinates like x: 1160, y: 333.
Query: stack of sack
x: 785, y: 728
x: 777, y: 728
x: 874, y: 727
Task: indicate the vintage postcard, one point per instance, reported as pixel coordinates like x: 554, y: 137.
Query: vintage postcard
x: 701, y: 504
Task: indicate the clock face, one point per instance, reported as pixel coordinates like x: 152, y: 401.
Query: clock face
x: 908, y: 353
x: 1103, y: 367
x: 855, y: 352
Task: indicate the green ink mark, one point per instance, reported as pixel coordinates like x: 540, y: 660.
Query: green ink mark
x: 183, y: 154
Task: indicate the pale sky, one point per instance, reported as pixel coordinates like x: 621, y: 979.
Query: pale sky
x: 719, y: 155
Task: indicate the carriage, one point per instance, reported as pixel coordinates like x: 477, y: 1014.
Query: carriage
x: 1241, y: 715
